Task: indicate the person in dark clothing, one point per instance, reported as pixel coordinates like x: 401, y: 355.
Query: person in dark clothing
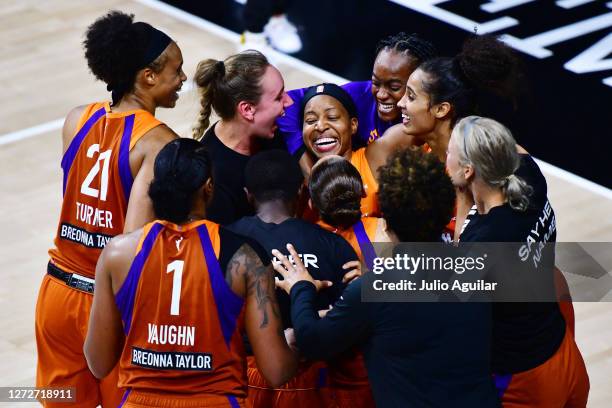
x: 534, y: 356
x: 248, y: 93
x: 417, y: 354
x: 266, y: 21
x: 273, y: 180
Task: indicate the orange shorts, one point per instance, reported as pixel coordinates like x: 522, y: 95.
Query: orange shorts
x: 565, y: 300
x: 357, y: 397
x: 348, y: 381
x: 560, y: 382
x: 62, y: 315
x: 307, y: 389
x: 140, y: 399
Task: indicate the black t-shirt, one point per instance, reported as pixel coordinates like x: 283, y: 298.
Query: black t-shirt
x: 229, y: 201
x: 416, y: 354
x: 323, y: 253
x: 524, y: 334
x: 230, y: 242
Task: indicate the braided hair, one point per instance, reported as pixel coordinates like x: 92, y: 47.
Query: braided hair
x: 181, y: 168
x: 410, y: 44
x: 222, y: 84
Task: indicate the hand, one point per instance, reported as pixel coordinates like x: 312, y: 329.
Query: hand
x: 293, y: 273
x: 291, y: 340
x: 324, y: 312
x: 352, y: 274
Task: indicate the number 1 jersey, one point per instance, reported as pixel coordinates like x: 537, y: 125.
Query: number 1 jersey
x: 97, y: 181
x: 183, y: 323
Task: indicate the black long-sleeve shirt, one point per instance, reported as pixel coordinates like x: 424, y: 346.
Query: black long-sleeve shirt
x: 525, y: 335
x: 417, y: 354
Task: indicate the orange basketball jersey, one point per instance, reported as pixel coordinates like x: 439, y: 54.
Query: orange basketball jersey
x: 182, y: 321
x: 369, y: 203
x: 97, y: 184
x: 360, y: 236
x: 347, y: 371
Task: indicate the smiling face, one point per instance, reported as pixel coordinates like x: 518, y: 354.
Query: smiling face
x: 418, y: 116
x: 170, y: 79
x: 389, y: 76
x: 327, y: 128
x: 271, y: 105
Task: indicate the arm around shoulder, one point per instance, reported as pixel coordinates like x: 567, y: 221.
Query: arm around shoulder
x: 395, y: 138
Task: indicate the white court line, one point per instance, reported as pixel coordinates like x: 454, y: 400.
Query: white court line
x: 31, y: 131
x: 574, y: 179
x: 294, y: 62
x: 235, y: 38
x: 54, y: 125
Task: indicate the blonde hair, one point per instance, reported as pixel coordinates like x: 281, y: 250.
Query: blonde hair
x: 491, y: 149
x: 222, y: 84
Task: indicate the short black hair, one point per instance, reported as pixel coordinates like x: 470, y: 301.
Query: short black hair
x: 273, y: 175
x: 416, y: 196
x: 181, y: 168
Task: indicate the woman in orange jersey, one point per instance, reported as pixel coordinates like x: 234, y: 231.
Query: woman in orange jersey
x: 174, y: 299
x: 336, y: 190
x: 329, y: 123
x: 109, y: 150
x: 418, y: 354
x: 442, y: 91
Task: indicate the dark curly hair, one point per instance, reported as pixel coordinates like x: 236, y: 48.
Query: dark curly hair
x: 336, y: 189
x: 416, y: 195
x: 181, y: 168
x: 484, y: 65
x: 411, y: 44
x: 114, y: 48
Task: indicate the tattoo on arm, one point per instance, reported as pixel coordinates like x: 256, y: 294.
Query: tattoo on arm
x: 259, y: 281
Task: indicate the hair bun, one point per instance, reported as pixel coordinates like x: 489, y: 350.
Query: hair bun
x: 220, y: 67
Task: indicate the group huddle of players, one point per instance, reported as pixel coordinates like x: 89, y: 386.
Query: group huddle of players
x: 233, y: 276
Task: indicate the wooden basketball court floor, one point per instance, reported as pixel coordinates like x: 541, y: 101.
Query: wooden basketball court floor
x: 43, y: 75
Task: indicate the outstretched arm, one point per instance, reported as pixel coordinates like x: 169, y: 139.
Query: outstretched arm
x: 342, y: 327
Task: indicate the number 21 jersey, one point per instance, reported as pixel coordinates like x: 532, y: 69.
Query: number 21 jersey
x: 97, y: 181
